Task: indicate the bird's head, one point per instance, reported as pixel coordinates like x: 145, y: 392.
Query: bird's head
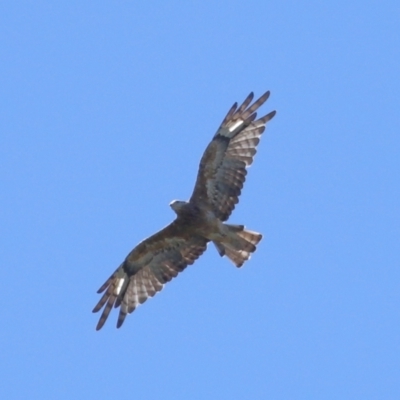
x: 178, y: 206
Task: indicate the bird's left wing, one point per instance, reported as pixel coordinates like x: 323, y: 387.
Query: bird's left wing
x: 222, y: 170
x: 154, y: 262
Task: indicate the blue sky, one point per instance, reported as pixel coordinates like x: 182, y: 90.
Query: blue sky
x: 106, y: 109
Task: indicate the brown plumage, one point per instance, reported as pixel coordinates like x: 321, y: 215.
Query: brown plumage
x: 222, y: 173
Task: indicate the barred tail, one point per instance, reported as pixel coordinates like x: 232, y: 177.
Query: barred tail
x: 239, y: 244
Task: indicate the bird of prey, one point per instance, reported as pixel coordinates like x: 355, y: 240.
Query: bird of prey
x: 222, y: 172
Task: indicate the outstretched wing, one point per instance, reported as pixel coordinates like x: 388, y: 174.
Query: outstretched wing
x: 222, y: 170
x: 146, y: 269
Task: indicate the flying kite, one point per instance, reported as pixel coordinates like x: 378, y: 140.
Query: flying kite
x: 222, y: 173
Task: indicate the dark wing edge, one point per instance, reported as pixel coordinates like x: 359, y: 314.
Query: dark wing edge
x: 222, y: 170
x: 127, y: 290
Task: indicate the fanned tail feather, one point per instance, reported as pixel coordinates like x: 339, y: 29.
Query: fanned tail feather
x: 239, y: 244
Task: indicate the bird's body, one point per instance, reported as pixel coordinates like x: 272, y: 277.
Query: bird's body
x: 159, y: 258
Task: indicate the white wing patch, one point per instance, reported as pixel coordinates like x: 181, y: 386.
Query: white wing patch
x: 235, y: 125
x: 119, y: 286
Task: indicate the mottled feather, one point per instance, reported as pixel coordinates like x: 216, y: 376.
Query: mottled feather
x: 154, y: 262
x: 222, y: 170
